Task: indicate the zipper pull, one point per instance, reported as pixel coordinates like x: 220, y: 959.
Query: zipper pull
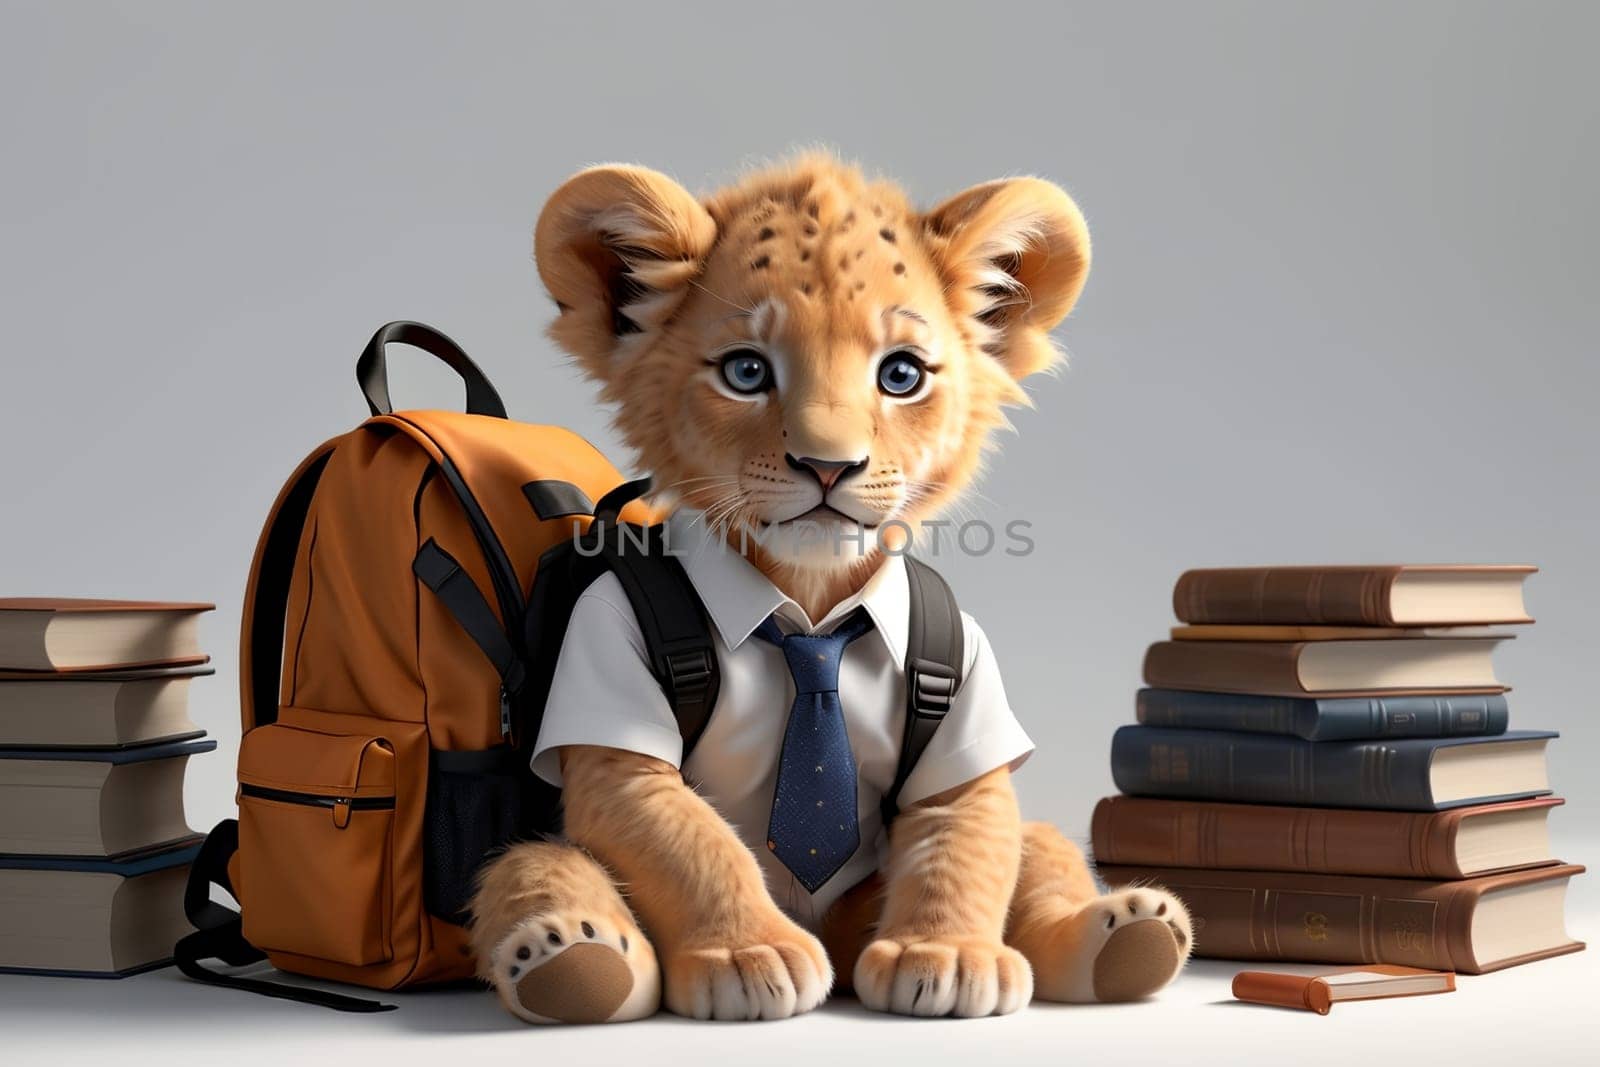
x: 505, y: 714
x: 341, y: 812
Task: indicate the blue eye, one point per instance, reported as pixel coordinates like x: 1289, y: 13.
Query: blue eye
x: 747, y: 371
x: 900, y: 374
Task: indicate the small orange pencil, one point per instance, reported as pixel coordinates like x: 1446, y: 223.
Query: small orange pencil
x: 1320, y: 992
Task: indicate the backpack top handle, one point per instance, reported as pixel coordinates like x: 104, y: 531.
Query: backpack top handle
x: 372, y: 372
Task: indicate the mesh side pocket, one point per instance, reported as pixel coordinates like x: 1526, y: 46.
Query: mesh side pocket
x: 475, y: 807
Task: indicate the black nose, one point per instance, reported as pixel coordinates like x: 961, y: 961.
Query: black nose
x: 827, y: 472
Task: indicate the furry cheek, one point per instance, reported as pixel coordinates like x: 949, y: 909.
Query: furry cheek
x: 713, y: 437
x: 919, y: 437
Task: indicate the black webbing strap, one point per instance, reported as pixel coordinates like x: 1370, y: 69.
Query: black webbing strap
x: 609, y: 506
x: 553, y: 498
x: 219, y: 933
x: 935, y: 657
x: 439, y: 571
x: 677, y: 634
x: 260, y: 678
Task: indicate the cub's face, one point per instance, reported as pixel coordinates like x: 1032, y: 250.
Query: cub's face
x: 804, y: 357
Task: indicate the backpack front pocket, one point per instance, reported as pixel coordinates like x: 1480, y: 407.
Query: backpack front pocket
x: 316, y: 841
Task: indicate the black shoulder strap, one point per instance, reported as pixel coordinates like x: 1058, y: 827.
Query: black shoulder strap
x: 677, y: 634
x: 267, y: 599
x: 935, y: 658
x: 219, y: 933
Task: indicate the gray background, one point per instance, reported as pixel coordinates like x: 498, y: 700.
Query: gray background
x: 1340, y: 311
x: 1340, y: 308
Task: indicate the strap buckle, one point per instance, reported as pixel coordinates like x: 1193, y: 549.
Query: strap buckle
x: 689, y: 674
x: 931, y: 687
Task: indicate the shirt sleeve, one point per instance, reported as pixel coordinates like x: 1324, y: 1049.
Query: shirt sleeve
x: 979, y: 733
x: 603, y: 692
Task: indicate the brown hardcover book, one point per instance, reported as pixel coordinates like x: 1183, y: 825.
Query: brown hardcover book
x: 67, y: 634
x: 1472, y: 926
x: 1459, y: 843
x: 1392, y: 595
x: 1326, y: 668
x: 1319, y: 993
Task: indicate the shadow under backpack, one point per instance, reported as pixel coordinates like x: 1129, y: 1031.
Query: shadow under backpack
x: 404, y: 613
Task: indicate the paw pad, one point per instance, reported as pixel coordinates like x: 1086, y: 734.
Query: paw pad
x: 1136, y: 960
x: 585, y: 984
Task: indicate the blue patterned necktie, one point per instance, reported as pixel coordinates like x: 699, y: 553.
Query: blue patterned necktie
x: 813, y: 829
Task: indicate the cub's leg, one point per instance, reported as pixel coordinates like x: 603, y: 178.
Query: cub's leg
x: 554, y: 938
x: 727, y: 952
x: 1084, y: 945
x: 938, y: 947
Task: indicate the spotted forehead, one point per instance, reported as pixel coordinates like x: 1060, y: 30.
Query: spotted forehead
x: 820, y: 264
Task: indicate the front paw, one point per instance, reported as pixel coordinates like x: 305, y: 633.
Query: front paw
x: 778, y: 971
x: 943, y: 976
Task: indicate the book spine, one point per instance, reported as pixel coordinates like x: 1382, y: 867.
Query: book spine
x: 1282, y: 991
x: 1194, y: 710
x: 1356, y: 920
x: 1228, y: 666
x: 1266, y: 769
x: 1289, y: 596
x: 1454, y: 715
x: 1164, y: 833
x: 1346, y: 719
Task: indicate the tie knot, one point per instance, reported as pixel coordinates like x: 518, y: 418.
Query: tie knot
x: 814, y: 658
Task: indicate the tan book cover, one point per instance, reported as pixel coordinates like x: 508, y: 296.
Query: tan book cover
x: 1406, y: 594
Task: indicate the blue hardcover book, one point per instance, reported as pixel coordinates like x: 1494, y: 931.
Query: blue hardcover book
x: 115, y: 803
x: 1327, y: 719
x: 92, y: 918
x: 1407, y: 774
x: 111, y: 756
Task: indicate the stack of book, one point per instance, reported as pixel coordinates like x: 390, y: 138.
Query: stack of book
x: 95, y: 736
x: 1322, y: 772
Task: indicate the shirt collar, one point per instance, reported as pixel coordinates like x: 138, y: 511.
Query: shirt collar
x: 739, y: 598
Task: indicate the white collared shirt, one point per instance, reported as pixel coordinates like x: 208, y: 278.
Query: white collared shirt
x: 604, y: 694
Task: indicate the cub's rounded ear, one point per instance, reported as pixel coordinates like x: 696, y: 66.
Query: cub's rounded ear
x: 617, y: 247
x: 1016, y: 254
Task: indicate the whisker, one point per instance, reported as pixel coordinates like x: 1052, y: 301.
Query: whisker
x: 719, y: 296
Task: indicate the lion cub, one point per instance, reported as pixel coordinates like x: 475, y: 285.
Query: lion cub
x: 809, y: 365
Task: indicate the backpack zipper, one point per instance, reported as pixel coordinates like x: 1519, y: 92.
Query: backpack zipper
x: 340, y: 807
x: 316, y: 800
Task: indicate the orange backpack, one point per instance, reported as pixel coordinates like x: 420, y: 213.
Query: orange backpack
x: 387, y: 688
x: 393, y: 671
